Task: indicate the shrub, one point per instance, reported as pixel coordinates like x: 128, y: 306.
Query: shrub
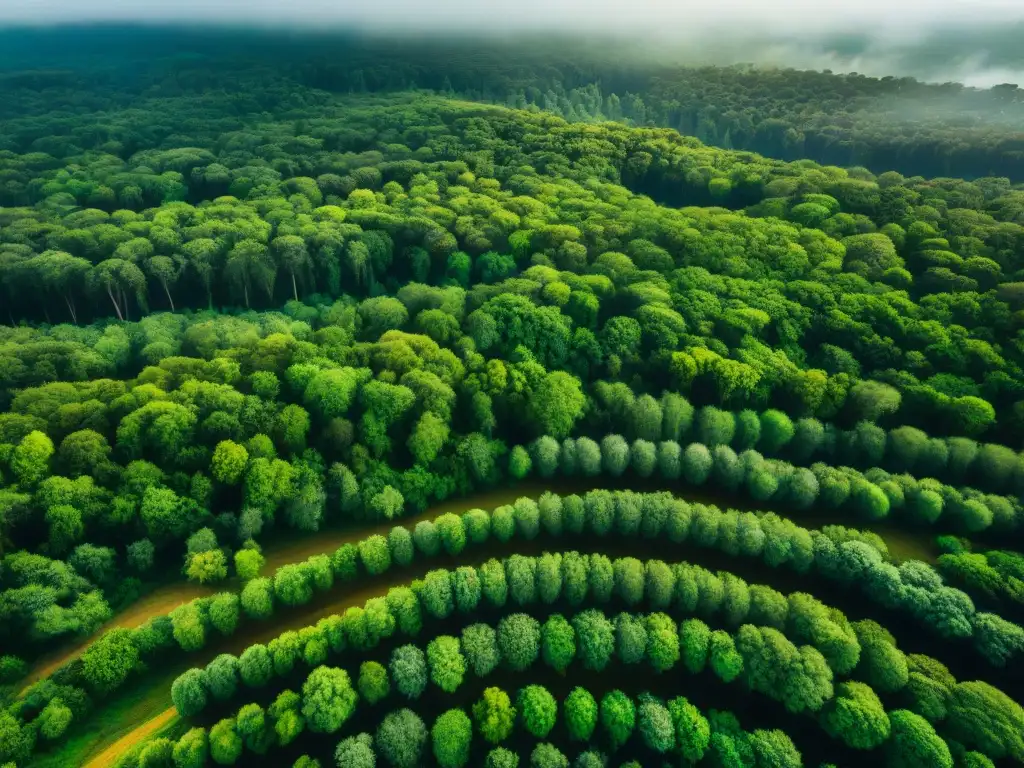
x: 630, y: 638
x: 580, y: 713
x: 527, y: 517
x: 776, y: 431
x: 548, y: 756
x: 373, y: 682
x: 400, y: 739
x: 224, y: 612
x: 693, y: 733
x: 494, y: 715
x: 426, y: 538
x: 225, y: 743
x: 477, y: 524
x: 614, y: 454
x: 436, y: 594
x: 558, y: 643
x: 328, y: 699
x: 618, y: 718
x: 188, y: 692
x: 519, y: 462
x: 400, y: 545
x: 696, y: 464
x: 521, y: 573
x: 255, y: 666
x: 501, y: 758
x: 292, y: 584
x: 221, y: 676
x: 537, y: 710
x: 408, y: 668
x: 480, y: 647
x: 467, y: 589
x: 518, y: 641
x: 356, y: 752
x: 446, y: 663
x: 375, y: 554
x: 550, y: 508
x: 503, y: 523
x: 662, y: 642
x: 451, y: 736
x: 493, y: 584
x: 452, y: 533
x: 655, y: 726
x: 257, y: 598
x: 595, y: 639
x: 856, y: 716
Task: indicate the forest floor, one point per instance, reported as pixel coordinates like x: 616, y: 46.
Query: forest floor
x: 146, y: 709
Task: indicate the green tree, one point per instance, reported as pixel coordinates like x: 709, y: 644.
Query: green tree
x: 518, y: 641
x: 107, y: 662
x: 856, y: 716
x: 537, y: 710
x: 580, y: 714
x: 446, y: 662
x: 225, y: 743
x: 555, y: 404
x: 30, y: 459
x: 373, y: 682
x: 408, y: 667
x: 618, y: 718
x: 655, y: 725
x: 356, y: 752
x: 205, y: 567
x: 501, y: 758
x: 229, y: 462
x: 451, y: 735
x: 328, y: 699
x: 480, y: 646
x: 692, y: 731
x: 558, y: 642
x: 250, y: 266
x: 494, y: 714
x: 401, y: 738
x: 914, y: 743
x: 191, y: 749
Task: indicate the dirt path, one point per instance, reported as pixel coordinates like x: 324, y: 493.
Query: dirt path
x: 288, y: 548
x: 110, y: 755
x: 160, y: 601
x: 103, y: 747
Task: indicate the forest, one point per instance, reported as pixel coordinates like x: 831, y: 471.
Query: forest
x: 450, y: 408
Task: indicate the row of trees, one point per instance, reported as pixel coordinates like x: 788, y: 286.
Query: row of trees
x: 519, y: 640
x: 871, y: 496
x: 996, y: 575
x: 847, y: 560
x: 194, y: 444
x: 402, y: 740
x: 988, y: 466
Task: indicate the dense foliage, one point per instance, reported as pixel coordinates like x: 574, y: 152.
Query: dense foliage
x: 254, y: 299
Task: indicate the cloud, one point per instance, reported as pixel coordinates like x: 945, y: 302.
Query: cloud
x: 685, y: 18
x: 970, y: 41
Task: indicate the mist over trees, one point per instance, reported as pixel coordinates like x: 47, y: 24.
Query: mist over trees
x: 354, y: 401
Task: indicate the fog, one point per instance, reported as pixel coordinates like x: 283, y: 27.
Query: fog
x: 883, y: 17
x: 972, y: 41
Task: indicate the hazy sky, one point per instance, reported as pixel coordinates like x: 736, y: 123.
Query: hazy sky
x: 976, y: 42
x: 899, y: 18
